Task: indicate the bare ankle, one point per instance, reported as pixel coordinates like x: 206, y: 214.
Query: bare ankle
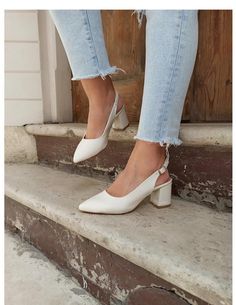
x: 153, y: 153
x: 98, y: 90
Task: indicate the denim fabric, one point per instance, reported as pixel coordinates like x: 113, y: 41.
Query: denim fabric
x: 171, y: 46
x: 82, y: 36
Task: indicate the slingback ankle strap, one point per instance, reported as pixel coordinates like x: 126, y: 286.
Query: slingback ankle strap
x: 166, y: 162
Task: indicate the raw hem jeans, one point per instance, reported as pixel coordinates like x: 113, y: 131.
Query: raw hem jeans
x: 171, y: 47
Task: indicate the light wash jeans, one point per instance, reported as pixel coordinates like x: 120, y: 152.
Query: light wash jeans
x: 171, y: 46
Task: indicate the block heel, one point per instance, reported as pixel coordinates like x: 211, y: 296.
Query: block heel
x: 121, y: 120
x: 161, y: 196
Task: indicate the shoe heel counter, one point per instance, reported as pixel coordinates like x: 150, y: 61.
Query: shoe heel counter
x: 121, y: 120
x: 162, y: 196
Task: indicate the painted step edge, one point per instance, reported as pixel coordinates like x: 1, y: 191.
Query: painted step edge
x: 217, y: 134
x: 89, y: 227
x: 98, y: 270
x: 200, y: 174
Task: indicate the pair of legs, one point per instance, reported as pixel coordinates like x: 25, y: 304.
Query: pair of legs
x: 171, y: 46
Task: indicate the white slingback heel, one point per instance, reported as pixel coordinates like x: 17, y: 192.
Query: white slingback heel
x: 88, y: 148
x: 104, y: 203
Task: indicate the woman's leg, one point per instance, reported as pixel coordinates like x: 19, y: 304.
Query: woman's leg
x: 101, y: 96
x: 171, y: 46
x: 82, y: 36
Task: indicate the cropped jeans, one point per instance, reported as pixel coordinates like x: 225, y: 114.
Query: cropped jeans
x: 171, y: 47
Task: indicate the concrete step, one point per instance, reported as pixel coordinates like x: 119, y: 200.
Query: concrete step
x: 185, y: 249
x: 200, y: 168
x: 196, y: 134
x: 30, y: 278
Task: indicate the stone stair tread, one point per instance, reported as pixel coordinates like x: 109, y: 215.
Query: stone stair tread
x: 191, y: 133
x: 186, y: 244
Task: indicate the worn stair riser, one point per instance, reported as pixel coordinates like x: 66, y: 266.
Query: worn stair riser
x: 108, y: 277
x: 200, y: 174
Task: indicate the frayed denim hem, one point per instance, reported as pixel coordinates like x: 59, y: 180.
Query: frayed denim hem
x: 166, y: 141
x: 140, y: 14
x: 102, y: 74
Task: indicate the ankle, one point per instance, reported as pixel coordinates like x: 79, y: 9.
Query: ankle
x: 146, y: 158
x: 102, y: 94
x: 153, y: 153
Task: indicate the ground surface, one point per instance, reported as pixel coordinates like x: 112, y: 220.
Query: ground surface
x: 31, y: 279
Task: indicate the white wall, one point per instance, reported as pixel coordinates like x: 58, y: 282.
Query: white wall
x: 23, y: 90
x: 55, y: 71
x: 37, y: 72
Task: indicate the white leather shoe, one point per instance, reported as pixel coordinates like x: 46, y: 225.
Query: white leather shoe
x: 88, y: 148
x: 104, y: 203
